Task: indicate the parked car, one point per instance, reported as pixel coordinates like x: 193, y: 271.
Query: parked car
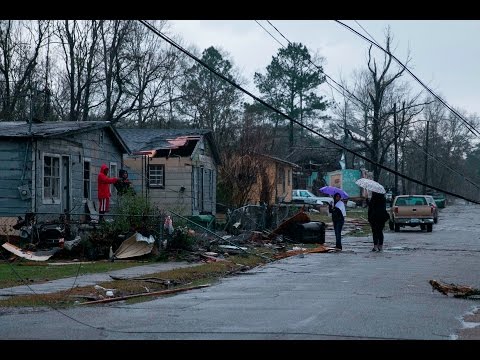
x: 440, y: 199
x: 306, y: 197
x: 411, y: 210
x: 433, y: 204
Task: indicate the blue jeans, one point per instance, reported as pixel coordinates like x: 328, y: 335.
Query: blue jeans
x: 337, y: 226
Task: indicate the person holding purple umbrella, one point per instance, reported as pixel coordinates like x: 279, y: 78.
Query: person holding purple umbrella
x: 338, y: 218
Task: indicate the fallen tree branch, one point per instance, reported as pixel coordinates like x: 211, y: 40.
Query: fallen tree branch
x: 458, y: 291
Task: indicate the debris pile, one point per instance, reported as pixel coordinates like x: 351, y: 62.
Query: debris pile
x: 458, y: 291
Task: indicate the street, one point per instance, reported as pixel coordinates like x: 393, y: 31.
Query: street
x: 354, y: 294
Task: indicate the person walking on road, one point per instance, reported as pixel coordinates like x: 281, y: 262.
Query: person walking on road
x: 104, y: 190
x: 338, y: 218
x: 377, y: 216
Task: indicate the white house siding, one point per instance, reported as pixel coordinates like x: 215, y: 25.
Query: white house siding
x: 177, y: 174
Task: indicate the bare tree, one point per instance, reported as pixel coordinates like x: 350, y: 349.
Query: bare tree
x: 117, y: 67
x: 377, y: 92
x: 79, y: 41
x: 20, y: 44
x: 151, y: 82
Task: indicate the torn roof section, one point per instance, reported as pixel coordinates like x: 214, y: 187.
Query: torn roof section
x: 167, y: 142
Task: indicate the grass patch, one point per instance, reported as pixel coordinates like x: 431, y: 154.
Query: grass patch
x: 184, y: 277
x: 28, y: 272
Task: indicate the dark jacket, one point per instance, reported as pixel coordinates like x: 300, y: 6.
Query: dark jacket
x: 377, y: 209
x: 123, y: 185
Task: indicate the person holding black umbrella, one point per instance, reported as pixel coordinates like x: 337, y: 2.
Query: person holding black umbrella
x: 338, y: 218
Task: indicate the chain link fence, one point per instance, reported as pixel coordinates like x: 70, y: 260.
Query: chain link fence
x: 98, y: 237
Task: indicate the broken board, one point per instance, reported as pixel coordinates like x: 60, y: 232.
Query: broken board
x: 29, y: 255
x: 92, y: 211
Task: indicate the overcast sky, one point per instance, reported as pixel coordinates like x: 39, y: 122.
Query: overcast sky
x: 445, y: 54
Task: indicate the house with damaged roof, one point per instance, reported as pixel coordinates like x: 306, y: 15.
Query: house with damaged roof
x: 175, y: 169
x: 51, y: 168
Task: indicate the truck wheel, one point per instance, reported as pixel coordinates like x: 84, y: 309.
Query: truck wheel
x: 390, y: 225
x: 422, y: 227
x: 429, y: 227
x: 397, y: 228
x: 435, y: 220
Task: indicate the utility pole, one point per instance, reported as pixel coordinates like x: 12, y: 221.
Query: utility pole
x: 426, y: 160
x: 395, y: 193
x: 345, y: 134
x: 291, y: 136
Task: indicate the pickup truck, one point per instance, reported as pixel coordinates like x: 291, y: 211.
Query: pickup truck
x: 411, y: 210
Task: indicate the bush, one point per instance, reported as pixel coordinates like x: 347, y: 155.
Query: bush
x: 134, y: 213
x: 182, y: 238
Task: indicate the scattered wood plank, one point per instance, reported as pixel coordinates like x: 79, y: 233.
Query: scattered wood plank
x: 319, y: 249
x: 458, y: 291
x: 154, y: 293
x: 29, y: 255
x: 141, y: 278
x: 212, y: 258
x: 155, y: 280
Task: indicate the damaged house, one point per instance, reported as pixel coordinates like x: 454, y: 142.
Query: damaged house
x: 175, y: 169
x: 274, y: 181
x: 51, y: 168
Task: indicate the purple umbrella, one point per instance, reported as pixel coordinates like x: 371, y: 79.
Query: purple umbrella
x: 332, y: 190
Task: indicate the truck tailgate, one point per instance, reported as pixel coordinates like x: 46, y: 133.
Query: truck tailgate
x: 418, y: 211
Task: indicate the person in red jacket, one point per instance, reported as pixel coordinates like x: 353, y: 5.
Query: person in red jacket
x: 104, y: 190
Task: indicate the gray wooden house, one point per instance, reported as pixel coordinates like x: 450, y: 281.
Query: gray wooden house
x: 175, y: 169
x: 51, y: 168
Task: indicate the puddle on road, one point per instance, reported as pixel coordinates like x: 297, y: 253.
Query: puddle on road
x: 470, y: 322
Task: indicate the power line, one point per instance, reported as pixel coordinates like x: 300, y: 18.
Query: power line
x: 273, y: 37
x: 366, y: 105
x: 470, y: 127
x: 279, y: 112
x: 366, y: 32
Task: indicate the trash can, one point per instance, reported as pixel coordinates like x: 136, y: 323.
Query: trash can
x: 310, y: 232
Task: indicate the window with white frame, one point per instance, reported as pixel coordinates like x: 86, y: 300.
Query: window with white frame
x: 51, y: 178
x: 112, y: 173
x: 156, y: 176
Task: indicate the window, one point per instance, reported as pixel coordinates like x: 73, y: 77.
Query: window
x: 51, y: 178
x: 156, y: 176
x: 86, y: 179
x: 112, y: 172
x: 289, y: 177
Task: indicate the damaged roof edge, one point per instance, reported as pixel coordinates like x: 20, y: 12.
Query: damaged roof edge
x: 274, y: 158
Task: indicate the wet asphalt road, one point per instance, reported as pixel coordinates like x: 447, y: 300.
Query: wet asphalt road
x: 355, y: 294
